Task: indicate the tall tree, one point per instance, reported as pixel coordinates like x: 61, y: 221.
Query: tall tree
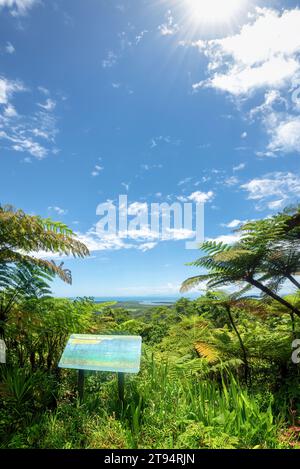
x: 23, y: 274
x: 266, y: 255
x: 235, y: 264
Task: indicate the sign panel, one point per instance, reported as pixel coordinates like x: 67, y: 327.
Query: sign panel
x: 119, y: 353
x: 2, y: 351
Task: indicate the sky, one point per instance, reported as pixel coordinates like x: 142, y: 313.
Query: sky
x: 165, y: 101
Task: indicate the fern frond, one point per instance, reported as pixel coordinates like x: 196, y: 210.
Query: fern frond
x: 209, y: 352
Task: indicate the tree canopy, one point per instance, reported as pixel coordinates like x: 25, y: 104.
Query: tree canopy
x: 266, y: 255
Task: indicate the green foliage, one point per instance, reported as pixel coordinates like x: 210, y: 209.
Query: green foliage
x: 19, y: 283
x: 37, y: 332
x: 19, y: 386
x: 161, y: 411
x: 22, y: 234
x: 134, y: 327
x: 32, y: 233
x: 193, y: 389
x: 187, y: 395
x: 265, y: 257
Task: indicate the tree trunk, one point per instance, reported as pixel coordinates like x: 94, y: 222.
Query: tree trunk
x: 293, y: 325
x: 267, y: 291
x: 246, y: 363
x: 293, y: 280
x: 32, y: 360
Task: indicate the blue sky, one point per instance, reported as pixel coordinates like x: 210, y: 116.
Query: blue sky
x: 156, y: 100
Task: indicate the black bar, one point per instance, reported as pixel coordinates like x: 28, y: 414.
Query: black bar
x: 176, y: 458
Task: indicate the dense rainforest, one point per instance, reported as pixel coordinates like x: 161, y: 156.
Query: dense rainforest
x: 219, y: 371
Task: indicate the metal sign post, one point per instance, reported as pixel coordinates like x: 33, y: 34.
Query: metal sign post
x: 121, y: 381
x: 81, y: 385
x: 118, y: 353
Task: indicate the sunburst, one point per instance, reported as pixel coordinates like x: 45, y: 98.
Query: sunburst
x: 213, y: 11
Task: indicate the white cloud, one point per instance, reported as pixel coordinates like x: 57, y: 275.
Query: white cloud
x: 231, y: 181
x: 148, y: 167
x: 97, y: 170
x: 58, y: 210
x: 276, y: 204
x: 18, y: 7
x: 243, y: 81
x: 29, y: 146
x: 114, y: 242
x: 8, y: 88
x: 94, y: 242
x: 285, y: 136
x: 178, y: 234
x: 280, y: 122
x: 272, y: 33
x: 140, y: 234
x: 140, y: 239
x: 274, y: 190
x: 24, y: 133
x: 169, y: 234
x: 20, y: 143
x: 146, y: 246
x: 43, y: 90
x: 164, y: 139
x: 239, y: 167
x: 110, y: 60
x: 140, y: 36
x: 10, y: 111
x: 9, y: 48
x: 49, y: 105
x: 184, y: 181
x: 233, y: 224
x: 272, y: 98
x: 169, y: 27
x: 201, y: 197
x: 226, y: 239
x: 47, y: 255
x: 263, y: 54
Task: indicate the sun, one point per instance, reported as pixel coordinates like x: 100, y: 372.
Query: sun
x: 213, y: 11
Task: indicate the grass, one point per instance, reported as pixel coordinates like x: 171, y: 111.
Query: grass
x: 162, y: 410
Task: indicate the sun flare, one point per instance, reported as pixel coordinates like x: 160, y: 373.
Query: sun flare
x: 214, y: 11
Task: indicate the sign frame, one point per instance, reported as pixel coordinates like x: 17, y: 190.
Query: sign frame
x: 94, y: 352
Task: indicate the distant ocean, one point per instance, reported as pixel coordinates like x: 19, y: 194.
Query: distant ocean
x: 145, y: 300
